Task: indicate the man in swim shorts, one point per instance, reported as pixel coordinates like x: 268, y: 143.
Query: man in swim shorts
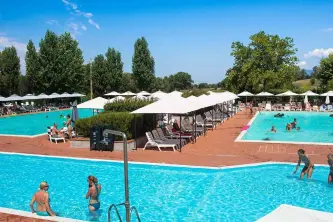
x: 308, y: 165
x: 330, y: 164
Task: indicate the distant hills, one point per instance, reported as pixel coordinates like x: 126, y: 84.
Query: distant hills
x: 308, y: 71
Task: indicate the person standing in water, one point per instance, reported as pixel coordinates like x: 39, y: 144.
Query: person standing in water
x: 308, y: 165
x: 93, y: 193
x: 41, y: 197
x: 330, y: 164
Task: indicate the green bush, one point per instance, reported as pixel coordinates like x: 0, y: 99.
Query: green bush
x: 131, y: 124
x: 127, y: 105
x: 312, y: 81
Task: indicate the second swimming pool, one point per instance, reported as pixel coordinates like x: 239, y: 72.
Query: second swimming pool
x: 315, y: 127
x: 37, y: 123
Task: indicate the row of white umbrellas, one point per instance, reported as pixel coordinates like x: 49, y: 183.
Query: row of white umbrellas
x: 128, y: 93
x: 15, y: 97
x: 287, y: 93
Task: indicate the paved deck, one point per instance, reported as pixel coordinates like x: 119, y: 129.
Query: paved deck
x: 217, y: 148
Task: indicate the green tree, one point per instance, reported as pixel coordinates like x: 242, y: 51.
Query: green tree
x: 326, y: 71
x: 143, y: 65
x: 128, y: 83
x: 49, y: 62
x: 10, y: 71
x: 268, y: 62
x: 23, y: 87
x: 114, y: 68
x: 99, y: 76
x: 70, y: 75
x: 300, y: 74
x: 181, y: 80
x: 315, y: 71
x: 162, y: 84
x: 34, y: 78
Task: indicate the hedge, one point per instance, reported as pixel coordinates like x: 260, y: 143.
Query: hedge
x: 120, y: 121
x: 127, y: 105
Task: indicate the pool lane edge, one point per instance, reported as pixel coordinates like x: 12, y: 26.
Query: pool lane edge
x: 24, y: 136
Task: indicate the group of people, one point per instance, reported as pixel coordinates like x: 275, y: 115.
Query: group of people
x: 309, y: 166
x: 42, y: 198
x: 289, y: 126
x: 67, y: 128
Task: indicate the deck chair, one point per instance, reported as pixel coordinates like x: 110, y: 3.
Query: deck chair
x: 152, y: 143
x: 322, y: 108
x: 187, y: 127
x: 200, y: 122
x: 176, y: 135
x: 329, y: 108
x: 53, y: 138
x: 286, y: 107
x: 268, y: 107
x: 167, y: 141
x: 163, y: 137
x: 315, y: 108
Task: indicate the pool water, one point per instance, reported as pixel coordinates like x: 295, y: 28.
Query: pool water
x: 35, y: 124
x: 163, y: 193
x: 314, y: 127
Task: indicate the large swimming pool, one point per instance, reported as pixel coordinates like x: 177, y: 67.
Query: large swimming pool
x: 163, y: 193
x: 36, y: 124
x: 315, y: 127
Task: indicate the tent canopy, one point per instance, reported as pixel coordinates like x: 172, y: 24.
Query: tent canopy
x: 265, y: 94
x: 97, y: 103
x: 128, y: 93
x: 14, y: 97
x: 245, y: 93
x: 77, y: 95
x: 288, y: 93
x: 144, y: 93
x: 159, y: 95
x: 176, y: 93
x: 29, y: 97
x: 54, y: 95
x: 65, y: 95
x: 113, y: 93
x: 42, y: 96
x: 329, y: 93
x: 309, y: 93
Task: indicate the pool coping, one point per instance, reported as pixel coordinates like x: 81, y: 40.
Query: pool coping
x: 240, y: 136
x: 25, y: 136
x: 63, y: 219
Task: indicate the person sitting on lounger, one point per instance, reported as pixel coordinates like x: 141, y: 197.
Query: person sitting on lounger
x: 308, y: 165
x: 330, y: 164
x: 55, y: 132
x: 41, y: 197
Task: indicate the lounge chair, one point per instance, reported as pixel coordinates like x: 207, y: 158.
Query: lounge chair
x: 286, y: 107
x: 329, y: 108
x: 54, y: 138
x: 322, y: 108
x: 176, y: 135
x: 201, y: 122
x: 268, y: 107
x: 162, y: 139
x: 315, y: 108
x: 152, y: 143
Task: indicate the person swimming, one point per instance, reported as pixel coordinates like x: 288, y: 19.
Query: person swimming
x: 93, y: 193
x: 293, y: 124
x: 308, y: 165
x: 273, y: 129
x: 61, y: 116
x: 279, y: 115
x: 298, y: 128
x: 288, y: 127
x: 330, y: 164
x: 41, y: 197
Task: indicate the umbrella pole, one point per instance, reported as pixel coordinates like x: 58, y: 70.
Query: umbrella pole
x: 180, y: 135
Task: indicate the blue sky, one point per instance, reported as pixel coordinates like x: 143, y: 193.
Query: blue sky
x: 183, y: 35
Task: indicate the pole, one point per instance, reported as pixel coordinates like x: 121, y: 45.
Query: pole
x: 180, y: 133
x: 91, y: 85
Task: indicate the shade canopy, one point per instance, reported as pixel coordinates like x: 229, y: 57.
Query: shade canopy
x: 159, y: 95
x: 265, y: 94
x: 144, y: 93
x: 14, y: 97
x: 309, y: 93
x: 128, y: 93
x: 2, y: 99
x: 77, y: 95
x: 97, y: 103
x: 176, y: 93
x: 113, y: 93
x: 245, y: 93
x: 29, y: 97
x: 288, y: 93
x: 65, y: 95
x: 54, y: 95
x: 42, y: 96
x: 329, y: 93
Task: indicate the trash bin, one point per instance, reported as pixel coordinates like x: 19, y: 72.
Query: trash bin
x: 95, y: 137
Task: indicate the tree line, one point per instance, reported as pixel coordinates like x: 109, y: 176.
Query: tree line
x: 58, y: 66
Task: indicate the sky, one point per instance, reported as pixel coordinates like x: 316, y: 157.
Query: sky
x: 193, y: 36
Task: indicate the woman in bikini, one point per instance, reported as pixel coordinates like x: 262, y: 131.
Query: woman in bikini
x: 330, y: 164
x: 41, y: 197
x: 308, y: 165
x: 94, y: 191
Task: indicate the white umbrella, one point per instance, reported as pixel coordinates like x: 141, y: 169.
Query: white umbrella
x: 329, y: 93
x: 159, y: 95
x: 42, y: 96
x: 327, y: 101
x: 306, y: 99
x: 265, y: 94
x: 65, y: 95
x: 77, y: 95
x: 309, y: 93
x: 288, y: 93
x: 14, y: 97
x: 175, y: 93
x: 113, y: 93
x: 246, y: 94
x: 29, y: 97
x: 54, y: 95
x: 128, y: 93
x: 144, y: 93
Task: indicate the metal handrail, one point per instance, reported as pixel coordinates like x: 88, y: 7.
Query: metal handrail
x: 117, y: 212
x: 136, y: 213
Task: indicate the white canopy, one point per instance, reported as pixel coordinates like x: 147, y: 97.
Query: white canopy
x: 288, y: 93
x: 143, y: 93
x: 65, y: 95
x: 77, y: 95
x: 309, y: 93
x: 2, y: 99
x: 14, y: 97
x: 176, y: 93
x: 265, y: 94
x: 117, y: 99
x: 291, y: 213
x: 113, y: 93
x: 329, y: 93
x: 29, y: 97
x: 42, y: 96
x: 54, y: 95
x: 159, y: 95
x: 97, y: 103
x: 192, y: 97
x: 245, y: 93
x: 128, y: 93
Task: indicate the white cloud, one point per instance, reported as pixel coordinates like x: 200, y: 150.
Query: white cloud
x: 75, y: 10
x: 319, y: 53
x: 73, y: 29
x: 53, y: 22
x: 21, y: 49
x: 302, y: 64
x: 83, y: 27
x: 93, y: 23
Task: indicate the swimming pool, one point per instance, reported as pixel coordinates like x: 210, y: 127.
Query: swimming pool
x: 163, y: 193
x: 36, y: 124
x: 315, y: 127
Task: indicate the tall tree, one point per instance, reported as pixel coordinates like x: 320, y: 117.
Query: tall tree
x: 128, y: 83
x: 10, y: 70
x: 99, y: 76
x: 181, y: 80
x: 34, y: 78
x: 114, y: 68
x: 300, y: 74
x: 23, y: 86
x: 49, y: 62
x: 268, y: 62
x: 2, y: 83
x: 325, y: 74
x: 143, y: 65
x: 70, y: 76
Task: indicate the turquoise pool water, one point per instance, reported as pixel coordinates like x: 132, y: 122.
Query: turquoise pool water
x: 34, y: 124
x: 315, y: 127
x: 163, y: 193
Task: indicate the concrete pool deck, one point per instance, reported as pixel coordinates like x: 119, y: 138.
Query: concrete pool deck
x: 216, y: 149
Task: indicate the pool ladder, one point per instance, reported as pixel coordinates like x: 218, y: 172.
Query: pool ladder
x: 117, y: 212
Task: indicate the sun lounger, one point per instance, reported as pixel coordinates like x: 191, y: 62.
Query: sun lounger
x: 286, y: 107
x: 268, y: 107
x: 152, y: 143
x: 329, y: 108
x: 322, y: 108
x: 162, y: 139
x: 177, y: 134
x: 54, y: 138
x: 315, y: 108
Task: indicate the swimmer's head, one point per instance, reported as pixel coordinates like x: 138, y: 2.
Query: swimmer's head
x: 44, y: 185
x: 301, y: 152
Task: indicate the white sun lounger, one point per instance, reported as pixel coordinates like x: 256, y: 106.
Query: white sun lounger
x: 152, y: 143
x: 268, y: 107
